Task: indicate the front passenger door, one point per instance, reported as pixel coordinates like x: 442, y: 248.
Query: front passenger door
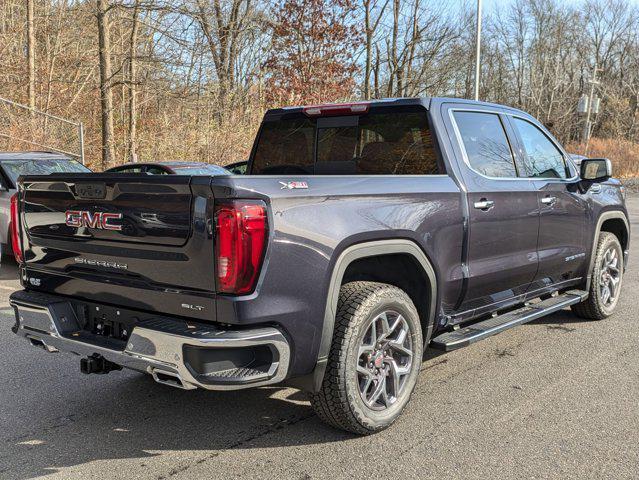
x: 563, y: 208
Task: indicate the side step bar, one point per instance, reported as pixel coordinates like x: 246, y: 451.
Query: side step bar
x: 478, y: 331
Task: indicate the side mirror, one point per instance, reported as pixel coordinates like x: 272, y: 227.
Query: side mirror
x: 596, y: 169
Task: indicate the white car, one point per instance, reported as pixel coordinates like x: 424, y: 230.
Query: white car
x: 14, y: 164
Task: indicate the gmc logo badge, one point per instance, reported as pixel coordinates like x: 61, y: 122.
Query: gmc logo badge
x: 100, y: 220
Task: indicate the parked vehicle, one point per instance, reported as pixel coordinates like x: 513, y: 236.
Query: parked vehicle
x: 362, y: 234
x: 171, y: 168
x: 14, y: 164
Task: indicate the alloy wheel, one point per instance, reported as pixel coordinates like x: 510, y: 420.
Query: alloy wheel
x: 609, y: 277
x: 384, y: 360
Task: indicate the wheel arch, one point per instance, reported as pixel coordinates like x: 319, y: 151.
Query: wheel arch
x: 615, y: 222
x: 362, y: 252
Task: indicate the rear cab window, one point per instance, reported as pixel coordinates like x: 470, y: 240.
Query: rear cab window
x: 384, y: 141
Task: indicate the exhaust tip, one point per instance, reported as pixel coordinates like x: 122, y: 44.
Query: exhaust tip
x: 36, y: 342
x: 171, y: 379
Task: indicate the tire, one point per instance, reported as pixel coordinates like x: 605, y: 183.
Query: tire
x: 607, y: 271
x: 340, y: 401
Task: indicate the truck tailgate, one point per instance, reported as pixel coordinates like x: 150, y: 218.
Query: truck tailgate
x: 135, y: 240
x: 151, y: 213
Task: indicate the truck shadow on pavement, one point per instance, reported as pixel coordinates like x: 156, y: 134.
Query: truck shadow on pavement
x: 59, y: 418
x: 65, y: 419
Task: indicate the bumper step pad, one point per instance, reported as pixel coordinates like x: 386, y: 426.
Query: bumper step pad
x: 478, y: 331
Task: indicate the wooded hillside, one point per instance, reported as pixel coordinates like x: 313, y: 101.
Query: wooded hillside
x: 190, y: 79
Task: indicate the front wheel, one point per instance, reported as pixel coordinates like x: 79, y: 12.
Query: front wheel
x: 606, y: 280
x: 374, y: 360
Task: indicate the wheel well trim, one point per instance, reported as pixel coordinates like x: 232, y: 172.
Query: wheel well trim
x: 610, y: 215
x: 349, y: 255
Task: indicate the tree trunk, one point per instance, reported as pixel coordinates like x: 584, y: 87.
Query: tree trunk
x: 376, y: 84
x: 393, y: 60
x: 133, y: 42
x: 106, y: 95
x: 369, y: 49
x: 31, y: 53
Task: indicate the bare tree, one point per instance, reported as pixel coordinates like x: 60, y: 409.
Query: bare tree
x: 371, y: 25
x: 106, y: 94
x: 223, y: 25
x: 31, y: 53
x: 132, y: 74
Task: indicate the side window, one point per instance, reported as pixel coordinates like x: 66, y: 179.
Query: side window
x: 486, y: 144
x: 542, y: 158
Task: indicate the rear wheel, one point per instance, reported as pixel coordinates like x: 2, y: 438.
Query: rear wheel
x: 374, y: 360
x: 607, y: 277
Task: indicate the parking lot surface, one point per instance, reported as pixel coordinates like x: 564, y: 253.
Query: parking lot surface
x: 556, y: 398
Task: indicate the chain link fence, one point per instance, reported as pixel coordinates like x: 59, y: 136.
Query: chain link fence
x: 23, y: 128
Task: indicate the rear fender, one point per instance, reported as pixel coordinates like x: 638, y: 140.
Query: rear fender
x: 349, y: 255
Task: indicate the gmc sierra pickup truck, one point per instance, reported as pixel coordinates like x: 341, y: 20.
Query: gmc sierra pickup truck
x: 360, y: 235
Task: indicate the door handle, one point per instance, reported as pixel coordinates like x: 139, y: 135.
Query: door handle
x: 550, y: 201
x: 484, y: 205
x: 596, y: 188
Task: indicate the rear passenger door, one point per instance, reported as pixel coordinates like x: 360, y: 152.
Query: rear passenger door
x: 503, y: 210
x: 564, y: 209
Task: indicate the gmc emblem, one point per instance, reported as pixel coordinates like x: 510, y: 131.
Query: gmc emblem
x: 101, y: 220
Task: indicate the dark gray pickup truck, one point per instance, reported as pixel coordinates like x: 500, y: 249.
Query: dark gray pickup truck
x: 361, y: 234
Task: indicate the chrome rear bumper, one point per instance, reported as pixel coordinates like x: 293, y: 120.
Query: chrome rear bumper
x: 175, y: 352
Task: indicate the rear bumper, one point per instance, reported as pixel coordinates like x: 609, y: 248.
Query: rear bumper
x: 183, y: 354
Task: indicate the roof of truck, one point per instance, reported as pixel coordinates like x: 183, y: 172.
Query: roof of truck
x: 426, y: 102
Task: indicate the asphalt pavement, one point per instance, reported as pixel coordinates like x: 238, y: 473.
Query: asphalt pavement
x: 556, y: 398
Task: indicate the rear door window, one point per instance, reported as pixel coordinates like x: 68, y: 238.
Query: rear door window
x: 486, y: 144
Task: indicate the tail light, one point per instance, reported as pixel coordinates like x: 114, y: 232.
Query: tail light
x: 241, y: 234
x: 15, y: 228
